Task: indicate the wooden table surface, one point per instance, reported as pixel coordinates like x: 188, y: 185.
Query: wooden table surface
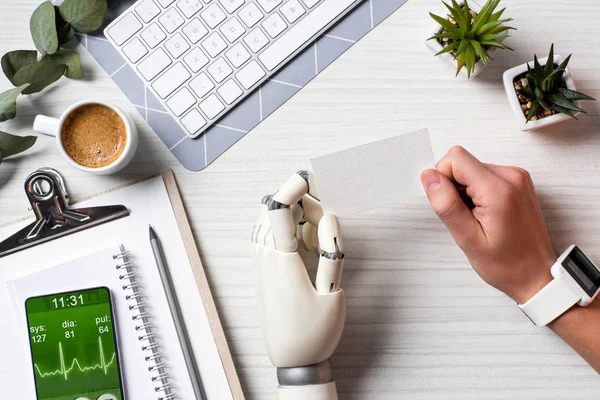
x: 421, y: 324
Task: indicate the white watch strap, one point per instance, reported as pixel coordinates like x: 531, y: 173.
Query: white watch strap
x: 552, y: 301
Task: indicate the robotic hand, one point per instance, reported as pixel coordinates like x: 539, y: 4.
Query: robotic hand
x: 302, y: 324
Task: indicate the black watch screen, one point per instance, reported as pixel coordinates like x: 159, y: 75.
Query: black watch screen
x: 583, y: 271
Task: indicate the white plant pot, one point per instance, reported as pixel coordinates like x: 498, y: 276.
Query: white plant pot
x: 436, y: 46
x: 513, y: 100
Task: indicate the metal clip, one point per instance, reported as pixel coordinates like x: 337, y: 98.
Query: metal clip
x: 47, y: 194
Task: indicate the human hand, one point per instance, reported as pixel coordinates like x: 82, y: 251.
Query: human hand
x: 504, y: 236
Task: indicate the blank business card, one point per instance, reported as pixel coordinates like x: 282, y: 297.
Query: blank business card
x: 373, y: 175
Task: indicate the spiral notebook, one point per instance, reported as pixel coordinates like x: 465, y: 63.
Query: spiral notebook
x: 89, y: 259
x: 138, y: 357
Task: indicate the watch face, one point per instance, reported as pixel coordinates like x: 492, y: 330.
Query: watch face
x: 583, y: 271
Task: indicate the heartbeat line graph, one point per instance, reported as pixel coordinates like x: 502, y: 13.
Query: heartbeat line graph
x: 64, y: 371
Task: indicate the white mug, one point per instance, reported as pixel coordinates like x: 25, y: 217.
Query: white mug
x: 53, y: 127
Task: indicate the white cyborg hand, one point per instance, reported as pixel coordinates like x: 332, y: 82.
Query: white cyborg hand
x: 302, y: 324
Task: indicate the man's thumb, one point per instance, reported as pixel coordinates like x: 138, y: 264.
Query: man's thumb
x: 449, y: 207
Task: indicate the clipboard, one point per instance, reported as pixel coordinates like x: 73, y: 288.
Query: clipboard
x: 197, y: 268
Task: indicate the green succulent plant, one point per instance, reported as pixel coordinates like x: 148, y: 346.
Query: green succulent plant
x: 546, y: 88
x: 469, y: 38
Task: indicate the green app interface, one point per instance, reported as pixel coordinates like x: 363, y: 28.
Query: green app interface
x: 73, y: 346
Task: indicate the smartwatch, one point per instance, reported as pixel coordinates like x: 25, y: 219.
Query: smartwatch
x: 576, y: 281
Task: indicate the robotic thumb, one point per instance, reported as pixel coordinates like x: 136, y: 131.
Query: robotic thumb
x: 331, y: 263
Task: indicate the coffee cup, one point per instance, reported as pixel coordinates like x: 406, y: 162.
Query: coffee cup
x: 92, y: 135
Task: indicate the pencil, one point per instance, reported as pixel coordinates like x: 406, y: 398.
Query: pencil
x: 184, y: 339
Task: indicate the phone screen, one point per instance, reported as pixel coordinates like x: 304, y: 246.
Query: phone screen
x: 73, y: 346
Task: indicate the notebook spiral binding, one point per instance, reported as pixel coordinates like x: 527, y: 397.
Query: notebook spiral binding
x: 147, y: 336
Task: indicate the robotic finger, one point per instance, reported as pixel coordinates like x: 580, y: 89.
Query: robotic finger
x: 331, y: 263
x: 291, y: 204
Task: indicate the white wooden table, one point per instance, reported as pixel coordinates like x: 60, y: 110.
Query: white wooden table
x: 421, y: 324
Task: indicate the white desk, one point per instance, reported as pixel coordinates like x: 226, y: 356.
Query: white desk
x: 421, y: 324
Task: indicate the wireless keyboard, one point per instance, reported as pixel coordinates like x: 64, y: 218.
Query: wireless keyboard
x: 202, y: 57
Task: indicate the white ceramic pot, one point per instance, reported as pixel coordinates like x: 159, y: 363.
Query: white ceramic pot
x: 511, y: 93
x: 435, y: 46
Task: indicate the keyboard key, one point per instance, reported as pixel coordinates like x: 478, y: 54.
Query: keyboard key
x: 195, y: 30
x: 231, y: 5
x: 250, y: 74
x: 238, y: 55
x: 125, y: 28
x: 214, y: 44
x: 153, y: 35
x: 274, y: 25
x: 177, y: 45
x: 171, y: 20
x: 232, y: 29
x: 256, y: 40
x: 196, y: 59
x: 219, y: 70
x: 269, y: 5
x: 166, y: 3
x: 251, y: 15
x: 212, y: 106
x: 200, y: 57
x: 135, y: 50
x: 181, y: 102
x: 230, y: 91
x: 292, y: 10
x: 189, y: 7
x: 213, y: 15
x: 310, y: 3
x: 154, y: 64
x: 168, y: 82
x: 202, y: 85
x: 303, y: 32
x: 147, y: 10
x: 193, y: 121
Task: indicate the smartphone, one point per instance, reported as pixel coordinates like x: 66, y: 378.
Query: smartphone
x: 73, y: 344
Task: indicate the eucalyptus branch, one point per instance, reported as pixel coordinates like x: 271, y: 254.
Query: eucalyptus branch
x: 51, y: 28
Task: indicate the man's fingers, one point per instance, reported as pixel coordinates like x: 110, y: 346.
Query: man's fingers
x: 514, y: 175
x: 462, y: 167
x: 450, y: 208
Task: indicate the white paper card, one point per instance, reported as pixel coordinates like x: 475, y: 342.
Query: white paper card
x: 373, y: 175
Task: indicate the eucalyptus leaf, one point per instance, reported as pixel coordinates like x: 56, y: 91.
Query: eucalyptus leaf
x: 8, y: 102
x: 39, y: 75
x: 84, y: 15
x: 65, y: 31
x: 43, y: 28
x: 15, y: 60
x: 70, y: 59
x: 12, y: 144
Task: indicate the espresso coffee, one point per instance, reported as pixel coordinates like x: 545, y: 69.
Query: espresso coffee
x: 94, y: 135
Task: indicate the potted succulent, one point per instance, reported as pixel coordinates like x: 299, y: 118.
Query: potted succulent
x: 543, y: 94
x: 469, y: 35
